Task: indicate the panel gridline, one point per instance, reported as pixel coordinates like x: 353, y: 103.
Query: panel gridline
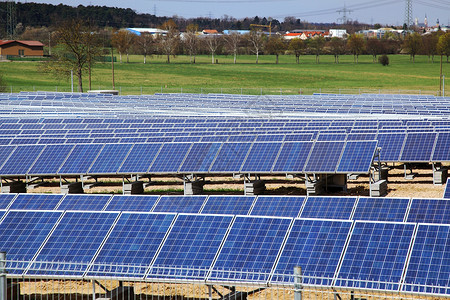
x: 231, y: 205
x: 36, y: 201
x: 261, y: 157
x: 170, y: 157
x: 442, y: 150
x: 381, y: 209
x: 51, y: 159
x: 324, y: 157
x: 316, y: 246
x: 192, y: 242
x: 140, y: 158
x: 132, y: 203
x: 200, y: 157
x: 252, y: 245
x: 357, y: 157
x: 418, y: 147
x: 80, y: 159
x: 339, y: 208
x: 293, y: 157
x: 76, y: 239
x: 391, y: 145
x: 277, y: 206
x: 84, y: 202
x: 429, y: 265
x: 376, y: 255
x: 180, y: 204
x: 230, y: 157
x: 21, y: 160
x: 5, y: 200
x: 110, y: 158
x: 134, y: 240
x: 430, y: 211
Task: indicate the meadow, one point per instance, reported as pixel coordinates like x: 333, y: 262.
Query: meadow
x: 266, y: 77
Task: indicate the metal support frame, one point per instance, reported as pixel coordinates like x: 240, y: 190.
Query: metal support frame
x: 3, y: 287
x: 298, y: 280
x: 411, y: 174
x: 32, y: 182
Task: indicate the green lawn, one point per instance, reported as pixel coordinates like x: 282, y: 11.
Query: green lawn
x: 246, y: 76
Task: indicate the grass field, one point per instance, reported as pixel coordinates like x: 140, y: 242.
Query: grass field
x: 246, y: 77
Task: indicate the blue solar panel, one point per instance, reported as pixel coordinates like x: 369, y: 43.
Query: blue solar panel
x: 376, y: 255
x: 193, y: 242
x: 80, y: 159
x: 391, y: 145
x: 170, y: 158
x: 442, y: 150
x: 292, y: 157
x: 261, y: 157
x: 76, y: 239
x: 298, y: 137
x: 134, y: 240
x: 5, y: 200
x: 357, y: 157
x: 21, y: 160
x: 381, y: 209
x: 110, y: 158
x: 23, y: 232
x: 51, y: 159
x: 36, y: 201
x: 328, y: 207
x: 252, y: 245
x: 230, y: 157
x: 447, y: 189
x: 180, y: 204
x: 324, y: 157
x: 132, y: 203
x: 429, y: 211
x: 361, y: 137
x: 231, y: 205
x: 200, y: 157
x: 278, y: 206
x: 316, y: 246
x: 429, y: 265
x: 418, y: 147
x: 140, y: 158
x: 84, y: 202
x: 332, y: 137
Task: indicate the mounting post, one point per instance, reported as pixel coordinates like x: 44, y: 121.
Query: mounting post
x: 298, y: 283
x: 2, y: 276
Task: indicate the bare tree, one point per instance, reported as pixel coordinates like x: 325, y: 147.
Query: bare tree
x: 375, y: 47
x: 256, y: 39
x: 316, y: 46
x: 337, y: 48
x: 144, y: 44
x: 429, y: 43
x: 212, y: 42
x: 170, y: 41
x: 275, y: 46
x: 356, y: 45
x: 191, y: 41
x: 233, y: 40
x: 122, y: 40
x: 297, y: 46
x: 412, y: 45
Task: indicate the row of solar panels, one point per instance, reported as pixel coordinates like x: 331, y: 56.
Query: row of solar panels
x: 372, y: 255
x: 186, y: 158
x: 338, y: 208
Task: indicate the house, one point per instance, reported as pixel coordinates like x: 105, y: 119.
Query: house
x: 21, y: 48
x: 210, y: 31
x: 139, y: 31
x: 305, y: 34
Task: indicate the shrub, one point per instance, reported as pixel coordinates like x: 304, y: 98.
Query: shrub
x: 384, y: 60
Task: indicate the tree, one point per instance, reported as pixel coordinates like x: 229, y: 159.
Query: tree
x: 297, y: 46
x: 256, y: 39
x: 429, y: 45
x: 356, y: 44
x: 275, y: 46
x: 212, y: 42
x: 337, y: 48
x: 316, y: 46
x: 170, y: 41
x: 144, y: 44
x: 122, y: 40
x: 443, y: 46
x: 191, y: 41
x: 233, y: 40
x: 412, y: 45
x: 374, y: 47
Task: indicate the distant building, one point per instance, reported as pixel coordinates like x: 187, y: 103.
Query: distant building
x: 139, y: 31
x: 21, y: 48
x: 236, y: 31
x: 305, y: 34
x: 339, y: 33
x: 210, y: 31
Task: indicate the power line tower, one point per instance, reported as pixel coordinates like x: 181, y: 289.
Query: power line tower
x: 10, y: 18
x: 344, y: 19
x: 408, y: 13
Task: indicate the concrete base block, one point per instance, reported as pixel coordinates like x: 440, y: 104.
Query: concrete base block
x: 133, y: 188
x: 14, y: 187
x: 314, y: 187
x: 382, y: 175
x: 72, y: 188
x: 193, y: 187
x: 378, y: 189
x: 256, y: 187
x: 336, y: 182
x: 440, y: 176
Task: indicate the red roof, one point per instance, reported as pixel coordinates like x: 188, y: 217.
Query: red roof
x: 28, y: 43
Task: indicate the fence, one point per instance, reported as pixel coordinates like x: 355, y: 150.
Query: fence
x: 71, y: 281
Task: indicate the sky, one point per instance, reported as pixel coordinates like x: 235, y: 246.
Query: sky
x: 385, y: 12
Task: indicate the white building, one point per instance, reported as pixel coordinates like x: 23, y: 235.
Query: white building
x: 138, y: 31
x: 339, y: 33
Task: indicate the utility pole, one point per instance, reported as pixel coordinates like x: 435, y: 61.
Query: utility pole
x: 112, y: 66
x: 10, y: 18
x: 344, y: 19
x: 408, y: 14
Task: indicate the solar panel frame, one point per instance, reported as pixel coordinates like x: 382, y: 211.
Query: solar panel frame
x: 192, y: 204
x: 200, y: 158
x: 170, y: 158
x: 21, y: 160
x: 230, y: 158
x: 288, y: 209
x: 320, y: 207
x: 6, y: 200
x: 110, y: 159
x: 84, y: 202
x: 434, y: 211
x: 80, y: 159
x: 288, y: 159
x: 50, y: 160
x: 132, y: 203
x: 261, y: 158
x: 357, y: 157
x: 381, y: 209
x: 228, y: 205
x: 36, y: 201
x: 418, y: 147
x: 324, y: 157
x: 140, y: 158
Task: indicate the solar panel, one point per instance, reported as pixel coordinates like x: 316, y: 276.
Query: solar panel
x: 80, y: 159
x: 110, y: 159
x: 324, y: 157
x: 339, y: 208
x: 200, y: 158
x: 391, y: 145
x: 292, y: 157
x: 278, y: 206
x: 140, y: 158
x: 252, y: 245
x: 357, y: 157
x: 316, y: 246
x: 261, y: 157
x: 192, y: 242
x: 75, y: 239
x: 381, y: 209
x: 84, y: 202
x: 429, y: 265
x: 418, y: 147
x: 132, y: 203
x: 230, y: 157
x: 5, y: 200
x: 376, y: 255
x: 170, y: 158
x: 50, y: 160
x: 36, y: 201
x: 134, y: 240
x: 442, y: 150
x: 180, y: 204
x: 429, y: 211
x: 447, y: 189
x: 21, y: 160
x: 231, y: 205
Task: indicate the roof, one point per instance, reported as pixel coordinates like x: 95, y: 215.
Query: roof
x: 210, y: 31
x: 27, y: 43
